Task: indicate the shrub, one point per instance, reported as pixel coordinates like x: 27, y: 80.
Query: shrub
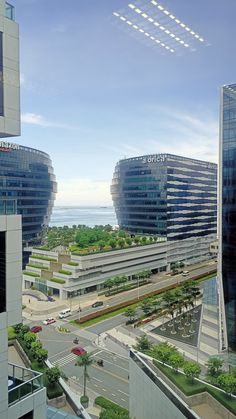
x: 11, y: 333
x: 214, y: 366
x: 192, y: 370
x: 163, y: 351
x: 37, y: 265
x: 143, y: 344
x: 53, y: 374
x: 65, y: 272
x: 53, y: 391
x: 57, y: 280
x: 72, y: 263
x: 227, y: 382
x: 41, y: 257
x: 36, y: 275
x: 107, y: 404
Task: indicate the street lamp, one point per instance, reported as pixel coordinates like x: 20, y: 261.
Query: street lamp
x: 79, y: 294
x: 138, y: 286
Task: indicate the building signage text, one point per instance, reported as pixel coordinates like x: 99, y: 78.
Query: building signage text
x: 157, y: 158
x: 6, y: 146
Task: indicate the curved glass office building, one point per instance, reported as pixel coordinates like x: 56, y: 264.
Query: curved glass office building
x: 166, y: 195
x: 26, y: 176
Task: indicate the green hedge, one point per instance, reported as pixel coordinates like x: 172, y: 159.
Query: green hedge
x: 126, y: 287
x: 57, y: 280
x: 37, y: 265
x: 72, y: 263
x: 49, y: 259
x: 52, y: 391
x: 31, y: 274
x: 108, y: 404
x: 65, y: 272
x: 189, y: 389
x: 11, y: 333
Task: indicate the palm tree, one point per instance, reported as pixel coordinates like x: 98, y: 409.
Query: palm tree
x: 84, y: 361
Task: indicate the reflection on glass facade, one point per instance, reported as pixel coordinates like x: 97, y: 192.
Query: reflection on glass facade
x: 1, y: 76
x: 166, y: 195
x: 228, y: 210
x: 26, y: 176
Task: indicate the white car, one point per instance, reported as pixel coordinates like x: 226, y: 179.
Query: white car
x: 50, y: 320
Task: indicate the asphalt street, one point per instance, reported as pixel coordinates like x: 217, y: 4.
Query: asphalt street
x: 111, y: 380
x: 158, y: 282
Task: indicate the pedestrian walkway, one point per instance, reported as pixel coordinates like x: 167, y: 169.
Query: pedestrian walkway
x: 67, y: 359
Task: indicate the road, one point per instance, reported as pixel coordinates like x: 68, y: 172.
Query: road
x: 158, y: 282
x: 111, y: 380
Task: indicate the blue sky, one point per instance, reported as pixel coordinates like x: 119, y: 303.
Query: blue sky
x: 93, y: 91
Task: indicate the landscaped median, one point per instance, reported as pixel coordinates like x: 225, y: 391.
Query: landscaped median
x: 114, y: 310
x: 110, y: 409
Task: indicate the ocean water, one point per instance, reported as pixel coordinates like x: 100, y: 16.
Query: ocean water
x: 89, y: 216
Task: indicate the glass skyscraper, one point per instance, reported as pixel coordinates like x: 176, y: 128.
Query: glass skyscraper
x: 166, y: 195
x: 27, y: 178
x: 227, y: 213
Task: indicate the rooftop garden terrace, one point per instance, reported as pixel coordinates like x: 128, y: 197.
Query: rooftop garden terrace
x: 184, y: 374
x: 82, y: 240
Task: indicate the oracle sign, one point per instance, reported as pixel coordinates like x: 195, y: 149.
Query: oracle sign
x: 157, y: 158
x: 6, y: 146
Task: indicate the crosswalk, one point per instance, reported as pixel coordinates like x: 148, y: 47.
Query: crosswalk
x: 64, y: 360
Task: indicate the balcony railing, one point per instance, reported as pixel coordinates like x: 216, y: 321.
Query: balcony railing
x: 22, y: 382
x: 9, y: 11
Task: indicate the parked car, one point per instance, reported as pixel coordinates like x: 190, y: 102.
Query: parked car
x: 78, y: 351
x: 97, y: 304
x: 50, y: 320
x: 36, y: 329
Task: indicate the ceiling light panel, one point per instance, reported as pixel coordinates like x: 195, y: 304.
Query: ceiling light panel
x: 182, y: 25
x: 158, y: 25
x: 132, y: 24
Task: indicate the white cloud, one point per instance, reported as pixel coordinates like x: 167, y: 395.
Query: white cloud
x: 83, y: 192
x: 36, y: 119
x: 184, y: 133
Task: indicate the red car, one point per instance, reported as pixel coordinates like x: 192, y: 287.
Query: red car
x: 78, y: 351
x: 36, y: 329
x: 50, y: 320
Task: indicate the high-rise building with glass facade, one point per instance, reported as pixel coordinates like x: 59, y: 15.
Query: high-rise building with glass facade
x: 227, y: 216
x: 26, y: 175
x: 166, y: 195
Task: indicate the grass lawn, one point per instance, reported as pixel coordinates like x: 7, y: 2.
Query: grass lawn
x: 189, y: 389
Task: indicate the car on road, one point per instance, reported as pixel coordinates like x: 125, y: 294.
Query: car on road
x: 97, y: 304
x: 78, y: 351
x: 36, y: 329
x: 185, y: 273
x: 50, y: 320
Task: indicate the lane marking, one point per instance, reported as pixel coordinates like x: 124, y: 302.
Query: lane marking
x: 123, y: 400
x: 110, y: 373
x: 94, y: 378
x: 123, y: 393
x: 95, y: 385
x: 104, y: 389
x: 112, y: 363
x: 114, y: 395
